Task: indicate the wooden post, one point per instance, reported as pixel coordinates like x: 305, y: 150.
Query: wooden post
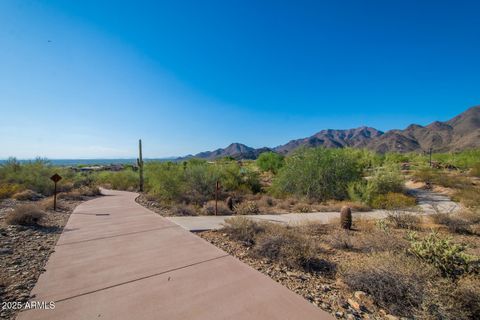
x: 216, y: 197
x: 430, y: 151
x: 55, y: 197
x: 140, y: 163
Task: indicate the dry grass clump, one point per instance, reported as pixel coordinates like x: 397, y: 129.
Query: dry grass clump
x: 47, y: 204
x: 454, y: 223
x: 246, y: 207
x: 404, y: 220
x: 396, y: 281
x: 27, y: 195
x: 243, y: 229
x: 392, y: 201
x: 290, y: 248
x: 25, y: 215
x: 469, y: 197
x: 184, y: 210
x: 381, y: 241
x: 80, y: 193
x: 222, y: 209
x: 336, y: 206
x: 302, y: 208
x: 267, y: 202
x: 458, y: 300
x: 341, y: 239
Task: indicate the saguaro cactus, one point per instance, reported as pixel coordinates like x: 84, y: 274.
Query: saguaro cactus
x: 140, y: 163
x: 346, y: 218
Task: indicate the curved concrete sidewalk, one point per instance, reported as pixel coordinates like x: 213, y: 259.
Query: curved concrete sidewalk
x: 118, y: 260
x: 428, y: 203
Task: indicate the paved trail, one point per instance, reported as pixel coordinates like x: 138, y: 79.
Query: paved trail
x: 428, y: 203
x: 118, y: 260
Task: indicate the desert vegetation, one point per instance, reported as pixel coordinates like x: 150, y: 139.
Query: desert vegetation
x: 394, y: 267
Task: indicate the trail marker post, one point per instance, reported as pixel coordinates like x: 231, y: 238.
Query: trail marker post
x: 217, y: 187
x: 55, y: 178
x: 140, y: 164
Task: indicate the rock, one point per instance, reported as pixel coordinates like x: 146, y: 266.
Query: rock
x: 360, y: 295
x: 391, y: 317
x: 354, y: 304
x: 6, y: 251
x: 339, y: 314
x: 350, y: 317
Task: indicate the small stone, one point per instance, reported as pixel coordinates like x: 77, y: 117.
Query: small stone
x: 339, y: 314
x: 6, y: 251
x: 354, y: 304
x: 350, y: 317
x: 391, y: 317
x: 360, y: 295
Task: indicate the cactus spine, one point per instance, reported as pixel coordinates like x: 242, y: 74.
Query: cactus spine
x: 140, y: 163
x: 346, y: 218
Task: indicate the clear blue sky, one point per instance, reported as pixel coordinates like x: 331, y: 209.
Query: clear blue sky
x: 88, y: 78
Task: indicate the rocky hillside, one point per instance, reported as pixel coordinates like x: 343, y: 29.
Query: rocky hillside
x: 461, y: 132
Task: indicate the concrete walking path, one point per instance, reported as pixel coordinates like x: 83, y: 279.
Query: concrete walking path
x: 428, y: 203
x: 118, y: 260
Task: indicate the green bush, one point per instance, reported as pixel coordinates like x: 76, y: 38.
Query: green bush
x: 393, y: 201
x: 450, y: 258
x: 270, y: 161
x: 317, y: 174
x: 165, y: 180
x: 375, y: 191
x: 126, y: 179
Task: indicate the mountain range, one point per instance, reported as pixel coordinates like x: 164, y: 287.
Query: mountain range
x: 459, y: 133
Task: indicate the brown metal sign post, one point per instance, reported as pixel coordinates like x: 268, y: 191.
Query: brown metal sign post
x: 55, y: 178
x: 217, y: 187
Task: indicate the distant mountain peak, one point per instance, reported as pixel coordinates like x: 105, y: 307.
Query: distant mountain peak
x: 460, y: 132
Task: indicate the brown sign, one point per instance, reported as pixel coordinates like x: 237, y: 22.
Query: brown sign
x: 56, y: 177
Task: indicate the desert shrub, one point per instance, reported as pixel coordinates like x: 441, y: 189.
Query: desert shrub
x: 209, y: 209
x: 25, y: 215
x: 385, y: 180
x: 380, y: 241
x: 439, y: 177
x: 475, y: 170
x: 8, y: 189
x: 302, y: 208
x: 450, y: 258
x: 267, y: 201
x: 454, y: 224
x: 317, y: 174
x: 270, y: 161
x: 27, y: 195
x: 199, y: 181
x: 452, y: 300
x: 375, y: 191
x: 246, y: 207
x: 404, y: 220
x: 393, y: 201
x: 126, y: 179
x: 469, y: 197
x: 243, y: 229
x: 341, y: 239
x: 464, y: 159
x: 165, y: 181
x: 183, y: 210
x: 396, y: 282
x: 47, y: 204
x: 291, y: 249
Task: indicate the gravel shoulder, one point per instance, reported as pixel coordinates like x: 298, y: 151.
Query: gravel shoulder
x: 24, y: 251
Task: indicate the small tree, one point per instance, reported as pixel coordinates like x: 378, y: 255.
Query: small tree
x: 270, y: 161
x: 318, y: 174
